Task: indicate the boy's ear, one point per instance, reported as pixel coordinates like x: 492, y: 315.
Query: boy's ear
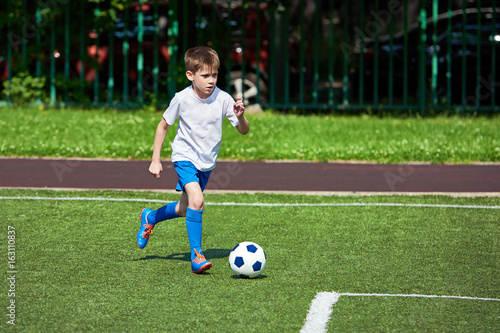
x: 189, y: 75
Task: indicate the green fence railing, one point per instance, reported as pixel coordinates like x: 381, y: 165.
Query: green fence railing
x: 288, y: 54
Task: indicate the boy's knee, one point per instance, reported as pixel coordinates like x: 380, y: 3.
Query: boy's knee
x: 193, y: 197
x: 197, y: 203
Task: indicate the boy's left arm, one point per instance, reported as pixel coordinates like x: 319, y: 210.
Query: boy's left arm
x: 239, y: 110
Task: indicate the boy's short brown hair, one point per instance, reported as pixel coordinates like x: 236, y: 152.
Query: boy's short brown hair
x: 197, y: 57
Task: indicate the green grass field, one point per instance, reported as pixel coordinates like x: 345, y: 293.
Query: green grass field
x: 78, y: 269
x: 119, y: 134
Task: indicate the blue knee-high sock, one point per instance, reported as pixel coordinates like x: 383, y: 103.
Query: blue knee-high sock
x: 166, y: 212
x: 194, y: 228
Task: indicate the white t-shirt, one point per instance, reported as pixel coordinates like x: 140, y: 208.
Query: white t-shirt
x: 199, y: 133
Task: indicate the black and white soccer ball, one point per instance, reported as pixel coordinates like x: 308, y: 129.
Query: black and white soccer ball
x: 247, y: 260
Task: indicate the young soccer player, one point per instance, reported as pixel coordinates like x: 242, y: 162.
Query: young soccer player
x: 201, y: 109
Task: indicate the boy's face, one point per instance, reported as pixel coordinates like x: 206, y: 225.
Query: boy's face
x: 204, y: 81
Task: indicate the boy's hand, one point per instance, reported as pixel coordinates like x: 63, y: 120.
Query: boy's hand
x: 239, y: 107
x: 239, y: 110
x: 156, y: 169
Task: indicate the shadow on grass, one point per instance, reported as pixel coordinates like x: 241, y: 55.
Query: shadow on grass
x: 261, y: 276
x: 186, y: 256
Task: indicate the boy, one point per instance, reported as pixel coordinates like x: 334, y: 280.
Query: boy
x: 201, y: 109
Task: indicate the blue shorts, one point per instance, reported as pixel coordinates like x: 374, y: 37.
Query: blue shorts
x: 188, y: 173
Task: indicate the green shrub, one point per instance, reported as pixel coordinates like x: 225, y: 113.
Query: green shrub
x: 24, y: 89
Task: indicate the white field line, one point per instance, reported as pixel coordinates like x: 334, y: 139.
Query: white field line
x: 257, y: 204
x: 319, y: 312
x: 321, y: 307
x: 420, y: 296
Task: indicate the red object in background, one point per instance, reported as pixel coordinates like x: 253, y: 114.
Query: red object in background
x: 4, y: 71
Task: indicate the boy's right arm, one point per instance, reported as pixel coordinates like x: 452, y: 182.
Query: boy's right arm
x: 156, y: 168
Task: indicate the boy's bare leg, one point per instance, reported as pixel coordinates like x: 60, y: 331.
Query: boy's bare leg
x: 182, y: 205
x: 195, y: 199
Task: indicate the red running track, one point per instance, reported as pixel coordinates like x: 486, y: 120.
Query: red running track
x: 254, y: 176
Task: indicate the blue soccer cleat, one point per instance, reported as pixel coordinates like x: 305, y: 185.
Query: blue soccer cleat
x: 145, y: 230
x: 200, y: 264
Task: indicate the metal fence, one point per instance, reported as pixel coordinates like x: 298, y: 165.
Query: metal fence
x: 295, y: 54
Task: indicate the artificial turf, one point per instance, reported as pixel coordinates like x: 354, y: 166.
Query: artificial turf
x: 77, y: 266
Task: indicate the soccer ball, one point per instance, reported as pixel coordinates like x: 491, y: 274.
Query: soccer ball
x: 247, y: 260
